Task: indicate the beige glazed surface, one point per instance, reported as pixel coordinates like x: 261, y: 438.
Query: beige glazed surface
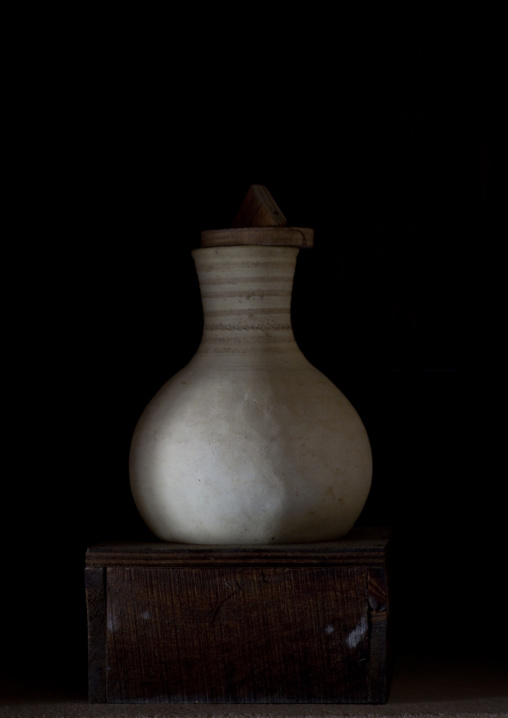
x: 249, y: 443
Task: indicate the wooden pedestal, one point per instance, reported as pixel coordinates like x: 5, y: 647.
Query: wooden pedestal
x: 179, y: 623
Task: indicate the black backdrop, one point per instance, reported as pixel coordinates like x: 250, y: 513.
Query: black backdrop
x: 129, y: 140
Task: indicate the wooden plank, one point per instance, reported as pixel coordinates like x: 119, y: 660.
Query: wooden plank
x: 362, y: 546
x: 95, y: 592
x: 379, y: 673
x: 240, y: 635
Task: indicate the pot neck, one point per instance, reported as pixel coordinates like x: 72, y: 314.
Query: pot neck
x: 246, y: 296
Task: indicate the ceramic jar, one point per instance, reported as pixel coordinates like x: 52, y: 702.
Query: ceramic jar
x: 249, y: 443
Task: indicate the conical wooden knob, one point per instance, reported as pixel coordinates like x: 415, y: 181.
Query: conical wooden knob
x: 259, y: 209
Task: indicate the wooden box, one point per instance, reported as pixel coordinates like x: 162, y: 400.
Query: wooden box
x: 179, y: 623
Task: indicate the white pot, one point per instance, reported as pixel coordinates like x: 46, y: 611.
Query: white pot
x: 249, y: 443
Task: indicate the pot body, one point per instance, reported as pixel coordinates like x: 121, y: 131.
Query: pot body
x: 249, y: 443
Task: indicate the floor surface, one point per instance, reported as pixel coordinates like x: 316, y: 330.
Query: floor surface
x: 420, y: 688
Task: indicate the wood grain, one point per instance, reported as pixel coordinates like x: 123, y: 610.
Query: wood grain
x: 95, y: 592
x: 380, y: 668
x: 237, y: 635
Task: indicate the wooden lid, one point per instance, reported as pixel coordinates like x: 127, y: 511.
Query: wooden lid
x: 258, y: 221
x: 270, y: 236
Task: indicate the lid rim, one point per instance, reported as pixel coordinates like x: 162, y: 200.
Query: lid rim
x: 270, y: 236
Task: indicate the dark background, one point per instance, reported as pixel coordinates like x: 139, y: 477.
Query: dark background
x: 128, y: 138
